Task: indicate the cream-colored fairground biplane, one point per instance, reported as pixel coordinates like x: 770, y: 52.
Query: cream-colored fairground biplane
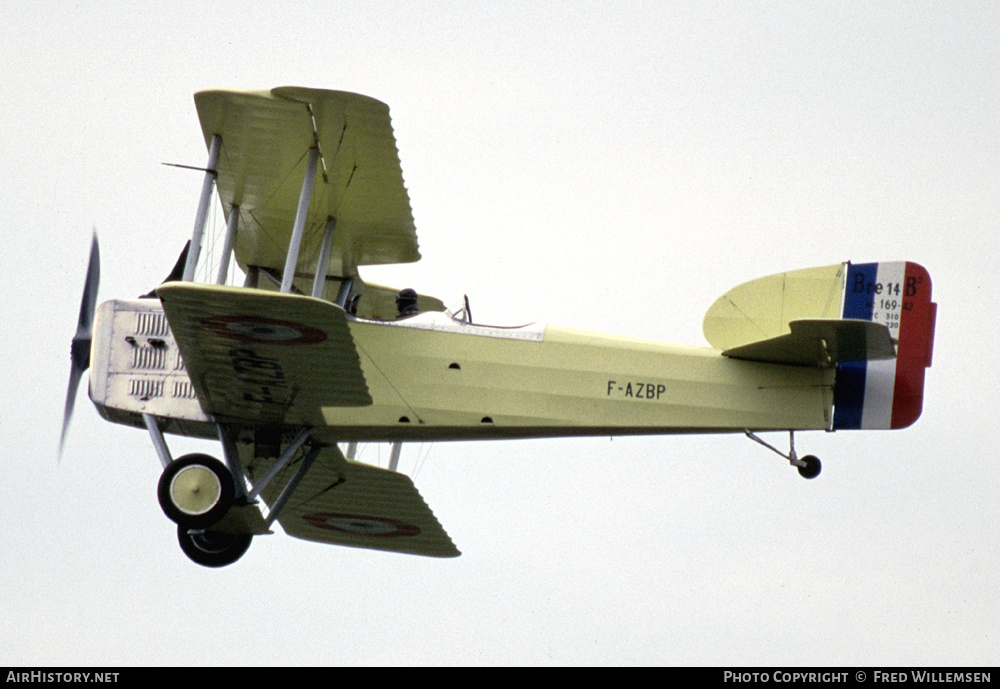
x: 306, y: 355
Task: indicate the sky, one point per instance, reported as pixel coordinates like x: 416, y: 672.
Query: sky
x: 612, y: 167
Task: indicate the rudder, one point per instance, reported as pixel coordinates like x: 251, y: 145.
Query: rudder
x: 887, y: 394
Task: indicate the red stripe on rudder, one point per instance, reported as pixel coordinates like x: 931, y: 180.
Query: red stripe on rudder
x: 916, y: 343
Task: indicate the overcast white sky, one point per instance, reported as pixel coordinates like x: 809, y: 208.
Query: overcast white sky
x: 612, y: 167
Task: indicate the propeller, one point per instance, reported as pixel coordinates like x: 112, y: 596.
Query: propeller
x: 80, y: 349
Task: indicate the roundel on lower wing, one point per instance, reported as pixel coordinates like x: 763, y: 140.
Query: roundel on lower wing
x: 361, y: 525
x: 264, y: 330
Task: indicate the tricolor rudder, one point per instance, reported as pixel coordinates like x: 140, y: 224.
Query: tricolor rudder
x: 887, y: 393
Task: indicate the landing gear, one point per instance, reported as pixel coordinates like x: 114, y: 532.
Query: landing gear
x: 809, y: 466
x: 196, y: 491
x: 216, y: 515
x: 207, y: 500
x: 213, y: 548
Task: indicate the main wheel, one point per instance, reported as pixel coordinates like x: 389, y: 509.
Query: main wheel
x: 196, y: 491
x: 213, y: 548
x: 812, y: 467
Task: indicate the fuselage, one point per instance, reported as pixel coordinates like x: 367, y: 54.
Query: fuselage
x: 452, y: 384
x: 431, y: 378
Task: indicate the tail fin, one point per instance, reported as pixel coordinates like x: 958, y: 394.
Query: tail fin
x: 779, y: 318
x: 889, y: 393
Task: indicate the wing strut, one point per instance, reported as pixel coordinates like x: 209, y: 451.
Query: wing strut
x: 227, y: 249
x: 293, y: 483
x: 319, y: 280
x: 394, y: 456
x: 206, y: 195
x: 292, y: 260
x: 279, y: 463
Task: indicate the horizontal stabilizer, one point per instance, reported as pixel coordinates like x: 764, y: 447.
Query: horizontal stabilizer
x: 264, y: 357
x: 821, y: 343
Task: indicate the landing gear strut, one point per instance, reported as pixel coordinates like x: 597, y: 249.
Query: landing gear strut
x: 808, y: 466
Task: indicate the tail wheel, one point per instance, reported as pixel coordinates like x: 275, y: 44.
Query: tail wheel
x: 811, y: 468
x: 196, y: 491
x: 213, y: 548
x: 808, y: 466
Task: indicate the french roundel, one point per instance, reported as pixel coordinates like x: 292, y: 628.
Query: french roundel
x: 264, y: 330
x: 361, y: 525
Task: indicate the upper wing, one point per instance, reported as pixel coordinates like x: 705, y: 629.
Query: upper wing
x: 264, y: 357
x: 266, y: 136
x: 349, y: 503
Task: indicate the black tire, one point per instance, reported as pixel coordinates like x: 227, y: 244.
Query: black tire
x: 812, y: 467
x: 213, y: 548
x: 211, y: 491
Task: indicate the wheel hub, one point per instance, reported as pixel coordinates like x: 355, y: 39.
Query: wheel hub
x: 195, y: 490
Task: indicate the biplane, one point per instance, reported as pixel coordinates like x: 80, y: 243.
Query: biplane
x: 306, y: 357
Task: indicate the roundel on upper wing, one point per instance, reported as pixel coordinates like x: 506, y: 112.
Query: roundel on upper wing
x: 264, y: 330
x: 361, y: 525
